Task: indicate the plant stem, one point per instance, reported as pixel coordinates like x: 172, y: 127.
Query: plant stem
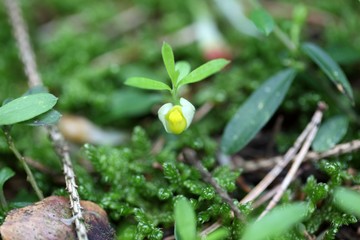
x: 174, y: 96
x: 280, y: 34
x: 30, y: 176
x: 27, y: 56
x: 2, y: 199
x: 190, y: 157
x: 284, y: 38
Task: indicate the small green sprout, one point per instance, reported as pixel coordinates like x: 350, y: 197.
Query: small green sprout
x: 177, y: 116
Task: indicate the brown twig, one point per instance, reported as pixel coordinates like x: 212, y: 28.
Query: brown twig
x: 34, y: 79
x: 40, y: 167
x: 296, y: 164
x: 203, y: 111
x: 268, y: 195
x: 269, y: 178
x: 254, y: 165
x: 23, y: 42
x: 190, y: 157
x: 265, y: 197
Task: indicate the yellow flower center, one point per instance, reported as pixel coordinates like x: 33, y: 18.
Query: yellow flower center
x: 176, y: 122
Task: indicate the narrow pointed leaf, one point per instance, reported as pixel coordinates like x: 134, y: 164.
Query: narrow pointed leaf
x: 183, y: 69
x: 146, y: 83
x: 329, y: 67
x: 275, y: 223
x: 262, y: 20
x: 256, y: 111
x: 26, y: 107
x: 204, y: 71
x: 330, y: 133
x: 347, y: 200
x: 169, y: 61
x: 185, y: 222
x: 221, y: 233
x: 5, y: 174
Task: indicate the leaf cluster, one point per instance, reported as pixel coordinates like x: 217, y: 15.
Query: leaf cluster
x: 179, y: 73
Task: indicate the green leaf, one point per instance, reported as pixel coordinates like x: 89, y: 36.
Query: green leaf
x: 277, y: 222
x: 146, y: 83
x: 26, y: 107
x: 185, y: 222
x: 5, y: 174
x: 6, y: 101
x: 256, y: 111
x: 329, y: 67
x: 169, y: 61
x: 219, y: 234
x: 183, y: 69
x: 141, y: 103
x: 204, y: 71
x: 262, y: 20
x: 330, y: 133
x: 347, y: 200
x: 49, y: 118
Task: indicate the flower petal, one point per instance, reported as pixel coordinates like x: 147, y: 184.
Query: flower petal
x: 175, y: 120
x: 162, y: 113
x: 188, y: 111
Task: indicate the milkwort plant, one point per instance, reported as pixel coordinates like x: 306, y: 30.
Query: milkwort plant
x: 177, y: 116
x: 34, y: 108
x: 139, y: 189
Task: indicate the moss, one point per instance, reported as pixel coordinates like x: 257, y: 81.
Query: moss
x: 84, y: 53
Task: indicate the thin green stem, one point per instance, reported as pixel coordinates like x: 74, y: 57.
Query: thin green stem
x: 30, y: 176
x: 280, y: 34
x: 174, y: 96
x: 2, y: 199
x: 284, y: 38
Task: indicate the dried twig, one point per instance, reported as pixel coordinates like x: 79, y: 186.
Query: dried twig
x: 62, y: 150
x: 298, y: 160
x: 265, y: 197
x: 337, y: 150
x: 203, y: 111
x: 40, y: 167
x: 254, y: 165
x: 269, y: 178
x: 34, y: 79
x: 190, y: 156
x: 23, y: 42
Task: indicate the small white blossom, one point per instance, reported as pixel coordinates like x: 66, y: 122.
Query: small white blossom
x: 176, y: 118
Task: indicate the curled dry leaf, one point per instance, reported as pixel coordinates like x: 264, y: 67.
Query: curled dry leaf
x: 81, y: 130
x: 51, y: 219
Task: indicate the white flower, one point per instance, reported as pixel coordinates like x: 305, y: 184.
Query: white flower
x: 176, y: 118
